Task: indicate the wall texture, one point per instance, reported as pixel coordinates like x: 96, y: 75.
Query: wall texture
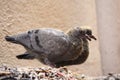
x: 108, y: 12
x: 17, y: 16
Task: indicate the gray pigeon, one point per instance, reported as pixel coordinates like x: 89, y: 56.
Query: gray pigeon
x: 53, y: 47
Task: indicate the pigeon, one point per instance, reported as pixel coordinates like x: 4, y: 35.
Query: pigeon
x: 54, y: 47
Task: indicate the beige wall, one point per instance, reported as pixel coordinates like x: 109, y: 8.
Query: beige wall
x: 108, y: 12
x: 21, y: 15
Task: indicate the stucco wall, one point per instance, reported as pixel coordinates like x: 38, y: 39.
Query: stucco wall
x: 108, y: 15
x: 17, y: 16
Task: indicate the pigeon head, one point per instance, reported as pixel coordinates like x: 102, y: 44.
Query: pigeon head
x: 82, y: 33
x: 88, y: 34
x: 22, y: 39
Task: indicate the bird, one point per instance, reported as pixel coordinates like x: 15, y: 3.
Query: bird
x: 54, y: 47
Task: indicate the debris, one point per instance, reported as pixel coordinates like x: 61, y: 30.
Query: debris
x: 48, y: 73
x: 35, y: 74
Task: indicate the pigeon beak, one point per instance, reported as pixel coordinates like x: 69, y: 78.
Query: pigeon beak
x: 93, y: 37
x: 87, y: 38
x: 10, y: 39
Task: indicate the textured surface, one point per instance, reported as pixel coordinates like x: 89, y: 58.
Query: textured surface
x: 43, y: 73
x: 17, y: 16
x: 109, y: 33
x: 47, y: 73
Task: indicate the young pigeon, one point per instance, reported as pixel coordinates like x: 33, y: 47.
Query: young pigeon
x: 53, y: 47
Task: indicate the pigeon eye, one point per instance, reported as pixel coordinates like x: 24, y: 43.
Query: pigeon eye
x: 29, y: 32
x: 89, y: 32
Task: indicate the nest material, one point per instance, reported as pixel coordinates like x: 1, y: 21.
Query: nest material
x: 7, y: 73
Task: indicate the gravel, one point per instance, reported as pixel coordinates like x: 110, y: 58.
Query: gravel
x: 44, y: 73
x: 47, y: 73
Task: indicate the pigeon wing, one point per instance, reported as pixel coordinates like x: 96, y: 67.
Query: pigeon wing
x: 52, y: 43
